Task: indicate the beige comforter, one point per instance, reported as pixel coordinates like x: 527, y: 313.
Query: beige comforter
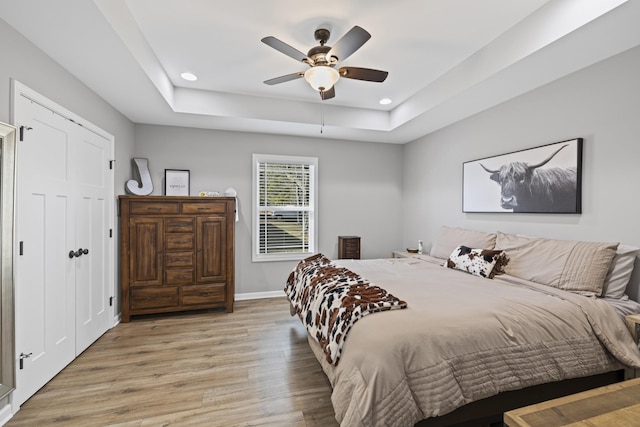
x: 463, y: 338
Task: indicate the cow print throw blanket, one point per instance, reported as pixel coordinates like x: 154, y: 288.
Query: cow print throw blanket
x: 330, y: 299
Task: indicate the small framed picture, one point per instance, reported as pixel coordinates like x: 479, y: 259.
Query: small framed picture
x: 176, y: 182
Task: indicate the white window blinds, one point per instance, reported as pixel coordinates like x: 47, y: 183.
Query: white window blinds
x: 285, y: 203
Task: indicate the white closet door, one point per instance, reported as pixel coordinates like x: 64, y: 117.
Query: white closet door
x: 64, y: 267
x: 45, y: 275
x: 94, y: 277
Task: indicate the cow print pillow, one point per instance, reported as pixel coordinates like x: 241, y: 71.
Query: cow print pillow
x: 479, y: 262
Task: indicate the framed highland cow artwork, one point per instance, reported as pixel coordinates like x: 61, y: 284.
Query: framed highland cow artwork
x: 544, y: 179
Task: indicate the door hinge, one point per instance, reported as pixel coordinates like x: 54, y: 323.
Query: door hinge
x: 22, y: 129
x: 110, y: 301
x: 21, y: 250
x: 111, y: 232
x: 22, y: 357
x: 111, y: 162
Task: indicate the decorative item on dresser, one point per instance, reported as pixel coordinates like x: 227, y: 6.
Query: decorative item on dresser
x: 145, y: 185
x: 176, y: 254
x: 176, y: 182
x: 348, y: 247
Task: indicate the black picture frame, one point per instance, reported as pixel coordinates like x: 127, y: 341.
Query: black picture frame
x: 543, y: 179
x: 176, y: 182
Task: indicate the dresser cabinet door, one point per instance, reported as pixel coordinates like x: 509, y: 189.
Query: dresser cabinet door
x: 211, y: 249
x: 146, y: 246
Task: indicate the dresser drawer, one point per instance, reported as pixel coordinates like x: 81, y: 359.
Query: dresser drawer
x: 142, y: 298
x: 351, y: 245
x: 147, y: 208
x: 352, y: 253
x: 180, y: 241
x: 203, y: 208
x: 179, y: 259
x: 179, y: 276
x: 180, y: 225
x: 203, y: 294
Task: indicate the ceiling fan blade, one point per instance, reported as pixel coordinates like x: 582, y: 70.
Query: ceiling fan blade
x: 284, y: 78
x: 328, y: 94
x: 281, y: 46
x: 349, y: 43
x: 366, y: 74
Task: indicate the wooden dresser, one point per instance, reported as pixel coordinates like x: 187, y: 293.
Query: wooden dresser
x: 348, y: 247
x: 176, y: 253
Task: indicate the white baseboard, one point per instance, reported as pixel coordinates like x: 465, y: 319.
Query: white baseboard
x: 238, y: 297
x: 5, y: 414
x: 259, y: 295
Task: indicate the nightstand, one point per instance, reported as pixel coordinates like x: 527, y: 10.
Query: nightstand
x: 348, y: 247
x: 402, y: 254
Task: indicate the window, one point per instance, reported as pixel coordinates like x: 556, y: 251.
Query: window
x: 284, y: 213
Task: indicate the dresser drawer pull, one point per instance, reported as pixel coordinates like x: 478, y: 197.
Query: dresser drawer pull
x: 160, y: 298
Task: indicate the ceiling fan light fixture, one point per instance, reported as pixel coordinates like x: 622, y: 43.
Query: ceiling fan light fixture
x: 321, y: 77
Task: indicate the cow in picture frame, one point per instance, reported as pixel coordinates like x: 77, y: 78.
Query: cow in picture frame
x: 541, y: 187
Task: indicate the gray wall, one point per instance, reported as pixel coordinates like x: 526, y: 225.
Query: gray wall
x: 359, y: 187
x: 600, y: 104
x: 24, y: 62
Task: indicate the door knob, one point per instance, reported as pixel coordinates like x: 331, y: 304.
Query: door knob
x: 78, y: 253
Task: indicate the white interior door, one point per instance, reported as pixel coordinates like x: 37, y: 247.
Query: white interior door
x: 94, y: 284
x: 45, y: 276
x: 64, y: 275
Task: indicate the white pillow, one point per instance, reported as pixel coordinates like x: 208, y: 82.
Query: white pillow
x: 619, y: 274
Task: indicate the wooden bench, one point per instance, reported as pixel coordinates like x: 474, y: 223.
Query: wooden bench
x: 613, y: 405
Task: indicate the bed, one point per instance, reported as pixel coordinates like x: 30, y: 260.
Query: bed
x: 442, y: 340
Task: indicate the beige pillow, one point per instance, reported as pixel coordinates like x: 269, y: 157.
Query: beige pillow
x: 573, y: 266
x: 451, y: 237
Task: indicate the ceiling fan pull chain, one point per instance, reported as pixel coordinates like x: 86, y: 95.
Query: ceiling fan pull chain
x: 321, y: 117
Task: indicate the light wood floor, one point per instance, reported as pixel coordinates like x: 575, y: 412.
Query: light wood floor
x: 252, y: 367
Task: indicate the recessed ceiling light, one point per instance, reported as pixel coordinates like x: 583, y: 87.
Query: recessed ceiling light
x: 189, y: 77
x: 385, y: 101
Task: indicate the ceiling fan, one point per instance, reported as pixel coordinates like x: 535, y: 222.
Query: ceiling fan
x: 322, y: 60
